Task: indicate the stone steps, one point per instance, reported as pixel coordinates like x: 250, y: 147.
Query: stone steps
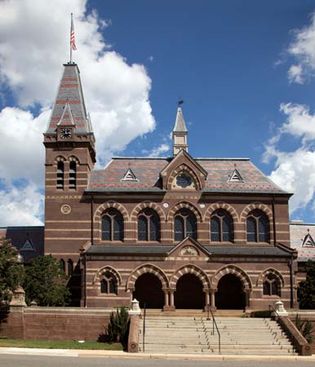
x: 193, y: 335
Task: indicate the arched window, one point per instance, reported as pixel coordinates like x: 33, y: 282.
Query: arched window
x: 62, y: 265
x: 112, y: 226
x: 60, y: 176
x: 70, y: 267
x: 108, y: 283
x: 272, y: 286
x: 185, y: 224
x: 221, y: 226
x: 148, y: 225
x: 73, y: 175
x: 258, y: 229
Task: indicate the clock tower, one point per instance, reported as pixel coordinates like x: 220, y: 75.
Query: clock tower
x: 70, y: 156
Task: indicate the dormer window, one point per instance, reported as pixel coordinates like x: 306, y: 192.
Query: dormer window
x: 129, y: 176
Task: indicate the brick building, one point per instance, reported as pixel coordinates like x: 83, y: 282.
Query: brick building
x: 175, y: 232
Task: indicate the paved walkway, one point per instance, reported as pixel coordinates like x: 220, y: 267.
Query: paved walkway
x: 120, y: 354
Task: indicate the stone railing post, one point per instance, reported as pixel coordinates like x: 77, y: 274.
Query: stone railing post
x: 134, y: 317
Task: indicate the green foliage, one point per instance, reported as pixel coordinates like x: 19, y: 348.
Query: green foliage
x: 45, y: 283
x: 305, y: 327
x: 11, y: 272
x: 118, y: 327
x: 306, y: 290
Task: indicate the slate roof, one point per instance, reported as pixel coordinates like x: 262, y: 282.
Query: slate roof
x: 31, y: 238
x: 159, y: 250
x: 298, y: 232
x: 147, y: 171
x: 70, y: 96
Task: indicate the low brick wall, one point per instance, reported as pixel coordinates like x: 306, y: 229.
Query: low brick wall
x: 55, y: 323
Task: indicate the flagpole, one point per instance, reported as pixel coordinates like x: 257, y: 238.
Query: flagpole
x: 71, y: 29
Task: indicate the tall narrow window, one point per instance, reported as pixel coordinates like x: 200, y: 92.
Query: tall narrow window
x: 258, y: 229
x: 73, y: 175
x: 271, y: 286
x: 108, y: 283
x: 148, y: 225
x: 60, y: 175
x: 112, y: 226
x: 221, y: 227
x: 185, y: 224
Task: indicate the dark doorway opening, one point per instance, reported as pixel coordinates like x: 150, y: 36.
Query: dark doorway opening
x: 189, y: 294
x: 230, y: 294
x: 148, y: 291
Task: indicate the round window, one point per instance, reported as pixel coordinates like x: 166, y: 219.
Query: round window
x: 183, y: 180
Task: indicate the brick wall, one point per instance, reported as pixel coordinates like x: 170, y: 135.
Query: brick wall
x: 55, y: 323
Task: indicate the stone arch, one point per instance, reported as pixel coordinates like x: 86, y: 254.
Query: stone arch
x: 183, y: 168
x: 181, y: 205
x: 59, y: 158
x: 264, y: 273
x: 220, y: 205
x: 102, y: 270
x: 111, y: 204
x: 147, y: 204
x: 250, y: 207
x: 235, y: 270
x: 190, y: 269
x: 75, y: 159
x: 147, y: 268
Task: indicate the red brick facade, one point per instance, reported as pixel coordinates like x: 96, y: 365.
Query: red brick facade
x: 234, y: 249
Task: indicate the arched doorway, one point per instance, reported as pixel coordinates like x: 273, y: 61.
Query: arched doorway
x: 189, y: 293
x: 230, y: 294
x: 148, y: 290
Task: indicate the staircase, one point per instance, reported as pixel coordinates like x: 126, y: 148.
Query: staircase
x: 194, y: 335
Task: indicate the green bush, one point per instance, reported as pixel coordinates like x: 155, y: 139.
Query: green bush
x: 118, y: 327
x: 305, y: 327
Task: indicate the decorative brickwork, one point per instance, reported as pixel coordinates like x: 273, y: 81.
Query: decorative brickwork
x: 231, y: 269
x: 190, y: 269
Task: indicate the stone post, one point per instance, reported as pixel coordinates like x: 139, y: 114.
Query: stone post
x: 212, y: 296
x: 15, y: 322
x: 133, y: 337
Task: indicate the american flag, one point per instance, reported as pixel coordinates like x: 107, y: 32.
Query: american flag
x: 72, y: 36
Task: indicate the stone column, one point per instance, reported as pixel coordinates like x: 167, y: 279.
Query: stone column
x: 212, y: 295
x: 166, y: 306
x: 172, y: 306
x: 207, y: 299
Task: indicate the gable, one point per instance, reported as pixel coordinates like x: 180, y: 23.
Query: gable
x: 189, y: 249
x: 183, y: 173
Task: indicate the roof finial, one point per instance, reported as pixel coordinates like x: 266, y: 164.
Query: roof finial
x: 180, y: 102
x: 73, y: 46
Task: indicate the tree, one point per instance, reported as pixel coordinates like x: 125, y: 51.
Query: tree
x: 306, y: 290
x: 45, y: 282
x: 11, y: 271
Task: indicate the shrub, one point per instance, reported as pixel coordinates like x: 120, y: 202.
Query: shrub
x: 305, y: 327
x: 118, y: 327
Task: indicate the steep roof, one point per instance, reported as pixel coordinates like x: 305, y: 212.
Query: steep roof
x: 302, y: 236
x: 28, y: 240
x: 147, y: 172
x: 69, y: 105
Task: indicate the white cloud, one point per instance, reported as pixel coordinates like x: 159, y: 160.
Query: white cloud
x: 34, y: 38
x: 295, y: 171
x: 21, y: 206
x: 302, y: 48
x: 158, y: 151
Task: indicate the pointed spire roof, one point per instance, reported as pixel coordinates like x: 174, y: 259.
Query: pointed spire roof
x: 69, y: 105
x: 180, y: 125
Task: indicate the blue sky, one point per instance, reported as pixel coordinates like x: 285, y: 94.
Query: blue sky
x: 244, y: 69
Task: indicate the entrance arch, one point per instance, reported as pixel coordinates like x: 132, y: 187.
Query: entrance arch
x: 148, y: 290
x: 230, y: 293
x: 189, y: 292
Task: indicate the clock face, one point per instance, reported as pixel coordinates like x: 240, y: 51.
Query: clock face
x: 65, y: 133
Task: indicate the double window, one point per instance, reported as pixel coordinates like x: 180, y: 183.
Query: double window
x: 221, y: 226
x: 108, y: 283
x: 258, y: 229
x: 272, y: 286
x: 112, y: 226
x: 60, y: 174
x: 148, y: 225
x: 185, y: 224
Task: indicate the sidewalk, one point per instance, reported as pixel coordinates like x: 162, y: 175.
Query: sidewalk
x: 119, y: 354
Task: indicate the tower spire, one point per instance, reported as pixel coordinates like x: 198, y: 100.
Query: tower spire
x: 180, y: 131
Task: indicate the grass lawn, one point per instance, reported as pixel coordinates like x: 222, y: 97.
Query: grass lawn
x: 58, y: 344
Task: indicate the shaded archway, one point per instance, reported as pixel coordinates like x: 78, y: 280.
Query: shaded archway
x: 189, y: 292
x: 148, y: 290
x: 230, y: 293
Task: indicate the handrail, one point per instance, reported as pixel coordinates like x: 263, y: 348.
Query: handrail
x: 143, y: 327
x: 214, y: 324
